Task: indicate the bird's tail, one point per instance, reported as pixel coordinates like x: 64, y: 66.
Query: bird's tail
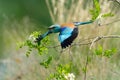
x: 82, y: 23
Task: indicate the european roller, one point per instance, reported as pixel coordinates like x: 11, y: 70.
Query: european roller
x: 67, y: 32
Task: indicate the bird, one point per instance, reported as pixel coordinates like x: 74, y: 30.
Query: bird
x: 67, y: 32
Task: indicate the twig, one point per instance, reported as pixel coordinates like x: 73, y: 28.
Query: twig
x: 118, y: 1
x: 95, y: 39
x: 90, y: 41
x: 86, y: 64
x: 110, y: 22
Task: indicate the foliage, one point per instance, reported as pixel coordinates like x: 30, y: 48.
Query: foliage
x: 31, y: 44
x: 46, y: 63
x: 96, y: 10
x: 42, y: 49
x: 107, y: 53
x: 108, y: 15
x: 63, y: 72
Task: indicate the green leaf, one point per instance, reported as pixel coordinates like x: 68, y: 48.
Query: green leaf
x: 46, y: 62
x: 99, y: 50
x: 28, y: 52
x: 30, y: 43
x: 96, y: 10
x: 108, y: 15
x: 108, y: 53
x: 84, y: 69
x: 61, y: 72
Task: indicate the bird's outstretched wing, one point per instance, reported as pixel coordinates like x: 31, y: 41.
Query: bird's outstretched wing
x: 67, y: 35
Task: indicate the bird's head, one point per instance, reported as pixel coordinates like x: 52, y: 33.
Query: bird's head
x: 54, y: 28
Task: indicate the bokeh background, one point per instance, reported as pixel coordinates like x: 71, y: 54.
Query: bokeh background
x: 19, y: 18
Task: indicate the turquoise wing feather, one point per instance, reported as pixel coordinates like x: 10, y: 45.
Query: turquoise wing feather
x: 65, y: 33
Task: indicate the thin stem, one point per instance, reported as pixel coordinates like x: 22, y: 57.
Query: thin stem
x: 86, y: 64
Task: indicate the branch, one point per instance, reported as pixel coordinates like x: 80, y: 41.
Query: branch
x: 92, y: 43
x: 109, y: 22
x: 86, y: 64
x: 118, y: 1
x: 89, y: 41
x: 95, y: 39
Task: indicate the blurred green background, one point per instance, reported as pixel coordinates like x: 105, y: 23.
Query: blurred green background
x: 18, y: 18
x: 15, y: 10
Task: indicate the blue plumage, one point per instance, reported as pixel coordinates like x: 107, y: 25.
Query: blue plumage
x: 67, y: 32
x: 64, y: 33
x: 68, y: 40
